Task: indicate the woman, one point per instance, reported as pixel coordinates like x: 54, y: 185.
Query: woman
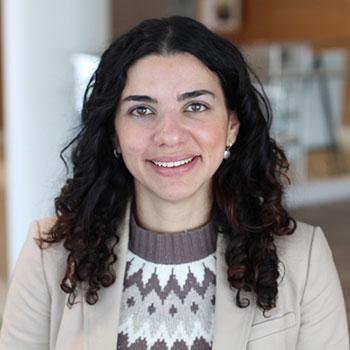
x: 171, y: 233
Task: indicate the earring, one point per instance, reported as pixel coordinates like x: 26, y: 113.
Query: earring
x: 116, y: 154
x: 227, y: 153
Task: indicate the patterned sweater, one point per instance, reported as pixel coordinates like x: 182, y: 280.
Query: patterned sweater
x: 169, y: 290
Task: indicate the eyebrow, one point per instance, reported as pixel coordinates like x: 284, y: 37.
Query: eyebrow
x: 195, y: 93
x: 140, y: 98
x: 182, y: 97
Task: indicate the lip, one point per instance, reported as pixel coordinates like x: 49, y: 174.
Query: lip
x: 173, y: 158
x: 175, y: 171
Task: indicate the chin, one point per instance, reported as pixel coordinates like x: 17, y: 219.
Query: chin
x: 174, y: 196
x: 181, y: 193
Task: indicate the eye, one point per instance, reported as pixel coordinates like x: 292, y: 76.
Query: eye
x: 196, y: 107
x: 141, y: 111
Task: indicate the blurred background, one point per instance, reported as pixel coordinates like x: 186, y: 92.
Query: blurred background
x: 300, y: 50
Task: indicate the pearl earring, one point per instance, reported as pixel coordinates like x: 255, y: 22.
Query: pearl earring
x: 227, y: 153
x: 116, y: 154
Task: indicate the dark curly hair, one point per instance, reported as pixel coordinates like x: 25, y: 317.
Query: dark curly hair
x: 248, y: 187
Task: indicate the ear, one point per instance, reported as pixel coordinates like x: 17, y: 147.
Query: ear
x: 232, y: 128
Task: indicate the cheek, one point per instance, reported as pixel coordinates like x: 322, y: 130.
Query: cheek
x: 214, y: 141
x: 130, y: 138
x: 214, y: 138
x: 130, y: 146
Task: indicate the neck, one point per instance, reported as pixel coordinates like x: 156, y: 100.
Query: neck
x: 165, y: 216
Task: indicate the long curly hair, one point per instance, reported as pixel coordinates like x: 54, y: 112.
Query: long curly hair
x: 248, y: 187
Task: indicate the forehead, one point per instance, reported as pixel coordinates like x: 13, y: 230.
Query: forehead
x: 180, y: 72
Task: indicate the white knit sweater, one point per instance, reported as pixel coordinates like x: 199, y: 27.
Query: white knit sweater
x: 169, y: 290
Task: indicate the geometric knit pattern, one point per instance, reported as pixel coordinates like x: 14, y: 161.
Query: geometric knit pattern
x: 167, y: 306
x: 168, y: 298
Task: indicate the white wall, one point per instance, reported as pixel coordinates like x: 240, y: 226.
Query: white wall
x: 39, y: 38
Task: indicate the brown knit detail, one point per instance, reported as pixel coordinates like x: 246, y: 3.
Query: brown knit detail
x: 172, y: 248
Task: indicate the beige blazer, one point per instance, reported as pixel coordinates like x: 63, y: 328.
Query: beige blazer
x: 310, y: 312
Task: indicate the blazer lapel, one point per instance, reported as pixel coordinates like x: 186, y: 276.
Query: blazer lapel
x: 101, y: 320
x: 231, y: 324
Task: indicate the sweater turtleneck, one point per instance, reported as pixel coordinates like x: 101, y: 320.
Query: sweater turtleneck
x: 172, y: 247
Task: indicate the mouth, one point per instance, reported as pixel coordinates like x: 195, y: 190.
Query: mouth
x: 172, y: 164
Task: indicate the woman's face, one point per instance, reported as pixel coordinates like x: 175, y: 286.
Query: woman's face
x: 172, y: 126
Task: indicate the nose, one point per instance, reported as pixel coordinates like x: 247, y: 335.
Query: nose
x: 169, y: 130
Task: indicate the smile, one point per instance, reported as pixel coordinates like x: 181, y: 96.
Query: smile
x: 172, y: 164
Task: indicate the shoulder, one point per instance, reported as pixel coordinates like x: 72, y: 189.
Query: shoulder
x: 47, y: 260
x: 305, y: 241
x: 39, y: 228
x: 45, y: 224
x: 305, y: 258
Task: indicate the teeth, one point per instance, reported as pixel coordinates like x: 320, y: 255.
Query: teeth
x: 172, y: 164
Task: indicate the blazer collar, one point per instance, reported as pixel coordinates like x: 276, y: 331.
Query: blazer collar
x: 231, y: 323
